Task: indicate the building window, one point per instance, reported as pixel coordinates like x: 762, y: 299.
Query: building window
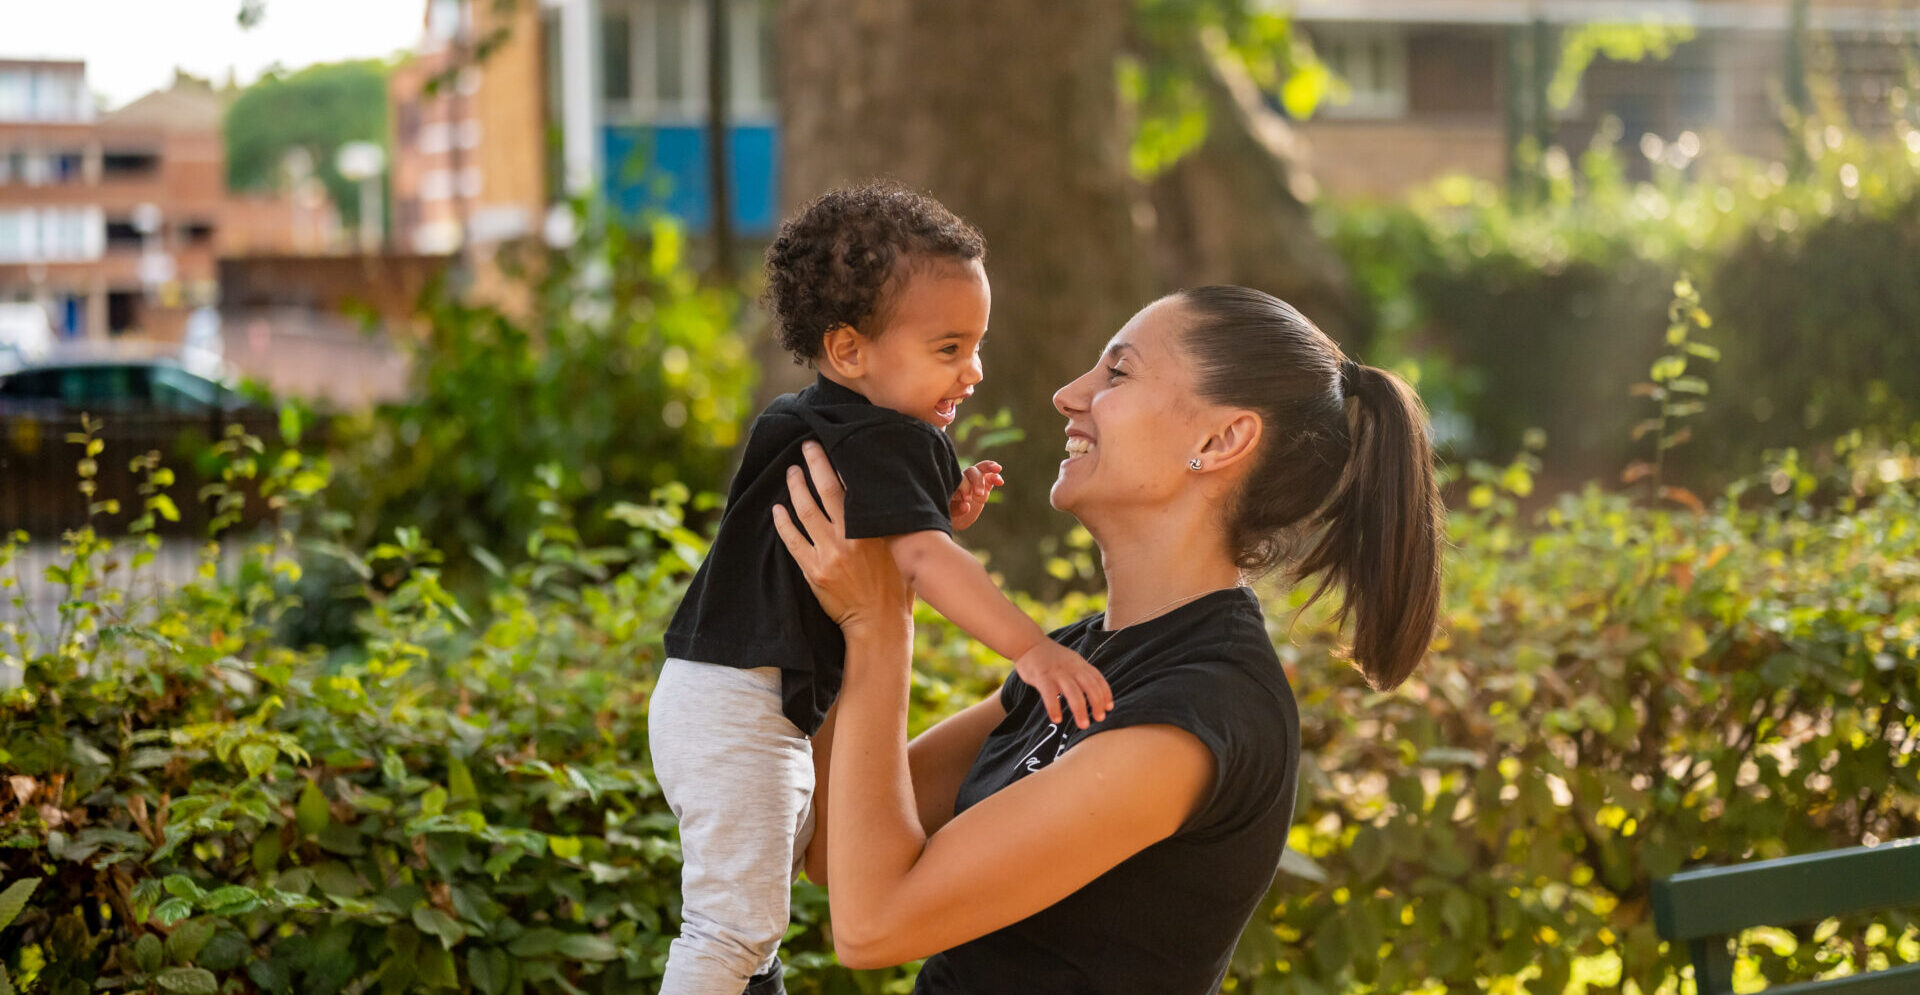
x: 198, y: 234
x: 17, y: 235
x: 126, y: 165
x: 123, y: 311
x: 436, y: 184
x: 616, y: 55
x: 122, y: 236
x: 50, y: 234
x: 433, y: 138
x: 656, y: 71
x: 1372, y: 60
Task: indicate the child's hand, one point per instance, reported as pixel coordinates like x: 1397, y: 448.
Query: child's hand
x: 1056, y: 671
x: 970, y: 498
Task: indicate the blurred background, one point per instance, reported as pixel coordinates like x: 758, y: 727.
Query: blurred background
x: 425, y: 332
x: 1494, y: 197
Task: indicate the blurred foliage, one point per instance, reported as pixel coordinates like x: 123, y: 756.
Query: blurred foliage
x: 1582, y: 43
x: 319, y: 109
x: 465, y: 804
x: 1531, y: 315
x: 1169, y: 48
x: 620, y: 368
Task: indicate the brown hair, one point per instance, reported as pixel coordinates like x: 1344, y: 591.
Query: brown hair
x: 1348, y: 496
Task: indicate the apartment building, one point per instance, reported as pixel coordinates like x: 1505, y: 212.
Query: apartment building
x: 109, y: 221
x: 1442, y: 86
x: 467, y: 113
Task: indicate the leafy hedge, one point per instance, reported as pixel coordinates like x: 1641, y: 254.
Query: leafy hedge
x: 190, y: 806
x: 1532, y: 314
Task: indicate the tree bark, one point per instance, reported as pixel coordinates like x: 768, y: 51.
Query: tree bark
x: 1009, y: 114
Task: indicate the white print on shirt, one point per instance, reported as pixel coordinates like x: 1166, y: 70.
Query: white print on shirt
x: 1032, y: 761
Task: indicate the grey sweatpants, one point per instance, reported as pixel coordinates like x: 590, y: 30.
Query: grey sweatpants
x: 739, y: 777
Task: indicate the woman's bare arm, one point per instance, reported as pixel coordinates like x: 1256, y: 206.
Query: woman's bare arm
x: 897, y: 892
x: 939, y: 758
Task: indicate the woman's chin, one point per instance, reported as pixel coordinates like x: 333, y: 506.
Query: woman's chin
x: 1063, y: 496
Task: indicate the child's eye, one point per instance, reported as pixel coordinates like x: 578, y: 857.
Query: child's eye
x: 950, y: 350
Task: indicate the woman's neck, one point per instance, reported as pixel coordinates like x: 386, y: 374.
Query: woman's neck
x: 1149, y: 573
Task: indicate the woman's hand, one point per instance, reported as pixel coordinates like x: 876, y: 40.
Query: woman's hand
x: 855, y: 579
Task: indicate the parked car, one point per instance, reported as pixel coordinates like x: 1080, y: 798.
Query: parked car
x: 138, y: 404
x: 105, y: 384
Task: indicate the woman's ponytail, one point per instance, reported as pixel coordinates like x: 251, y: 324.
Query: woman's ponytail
x: 1343, y: 487
x: 1380, y: 539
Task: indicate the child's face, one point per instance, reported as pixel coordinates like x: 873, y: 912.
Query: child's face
x: 928, y: 360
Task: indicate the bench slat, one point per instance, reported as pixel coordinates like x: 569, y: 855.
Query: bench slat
x: 1722, y: 901
x: 1904, y: 980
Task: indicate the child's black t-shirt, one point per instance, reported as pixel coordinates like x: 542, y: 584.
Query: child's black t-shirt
x: 749, y: 605
x: 1164, y: 921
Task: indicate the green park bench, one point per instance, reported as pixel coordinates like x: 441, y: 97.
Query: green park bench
x: 1705, y: 908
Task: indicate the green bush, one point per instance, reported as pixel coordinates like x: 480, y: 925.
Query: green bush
x: 617, y: 365
x: 1616, y: 693
x: 1531, y: 314
x: 191, y: 806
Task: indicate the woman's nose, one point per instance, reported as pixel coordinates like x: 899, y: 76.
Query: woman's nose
x: 1067, y: 400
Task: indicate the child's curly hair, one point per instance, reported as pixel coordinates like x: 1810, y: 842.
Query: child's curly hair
x: 839, y: 260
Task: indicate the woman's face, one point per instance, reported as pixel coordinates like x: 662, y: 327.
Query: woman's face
x: 1133, y: 421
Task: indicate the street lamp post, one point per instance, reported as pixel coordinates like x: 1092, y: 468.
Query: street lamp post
x: 363, y: 162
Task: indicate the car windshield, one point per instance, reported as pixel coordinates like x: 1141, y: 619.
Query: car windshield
x: 115, y: 386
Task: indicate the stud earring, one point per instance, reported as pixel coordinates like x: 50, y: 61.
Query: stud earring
x: 1194, y: 463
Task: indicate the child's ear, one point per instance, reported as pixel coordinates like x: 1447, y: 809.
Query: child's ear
x: 843, y: 351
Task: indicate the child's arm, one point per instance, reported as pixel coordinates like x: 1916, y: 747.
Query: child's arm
x: 947, y: 577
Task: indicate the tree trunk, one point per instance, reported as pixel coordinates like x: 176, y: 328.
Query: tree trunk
x: 1235, y: 209
x: 1009, y: 114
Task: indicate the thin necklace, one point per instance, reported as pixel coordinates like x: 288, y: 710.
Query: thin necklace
x: 1157, y: 612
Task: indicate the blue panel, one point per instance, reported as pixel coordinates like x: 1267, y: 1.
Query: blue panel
x: 665, y: 168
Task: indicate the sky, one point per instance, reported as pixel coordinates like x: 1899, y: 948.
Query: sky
x: 132, y: 46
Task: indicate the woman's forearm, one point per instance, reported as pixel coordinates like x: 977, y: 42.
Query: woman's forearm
x: 875, y: 835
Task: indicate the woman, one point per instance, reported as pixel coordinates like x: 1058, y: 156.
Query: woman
x: 1220, y: 436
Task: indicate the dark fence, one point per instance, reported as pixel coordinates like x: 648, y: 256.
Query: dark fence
x: 39, y: 476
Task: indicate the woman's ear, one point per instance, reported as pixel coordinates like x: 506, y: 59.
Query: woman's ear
x: 843, y: 352
x: 1233, y: 440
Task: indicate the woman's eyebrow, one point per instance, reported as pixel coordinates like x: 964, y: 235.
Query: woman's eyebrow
x: 1115, y: 350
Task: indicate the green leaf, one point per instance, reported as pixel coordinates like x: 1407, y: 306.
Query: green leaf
x: 460, y: 781
x: 538, y: 942
x: 266, y: 852
x: 587, y: 946
x: 163, y: 506
x: 188, y: 937
x: 564, y: 847
x: 14, y: 899
x: 189, y: 981
x: 311, y: 815
x: 257, y: 758
x: 437, y: 923
x: 172, y: 910
x: 181, y: 886
x: 488, y: 969
x: 147, y: 953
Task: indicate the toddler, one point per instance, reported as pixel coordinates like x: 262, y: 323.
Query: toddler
x: 883, y: 292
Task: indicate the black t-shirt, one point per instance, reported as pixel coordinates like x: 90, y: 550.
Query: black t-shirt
x: 749, y: 605
x: 1165, y: 921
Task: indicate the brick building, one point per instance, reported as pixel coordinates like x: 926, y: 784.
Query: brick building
x: 1442, y: 86
x: 114, y: 222
x: 469, y: 132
